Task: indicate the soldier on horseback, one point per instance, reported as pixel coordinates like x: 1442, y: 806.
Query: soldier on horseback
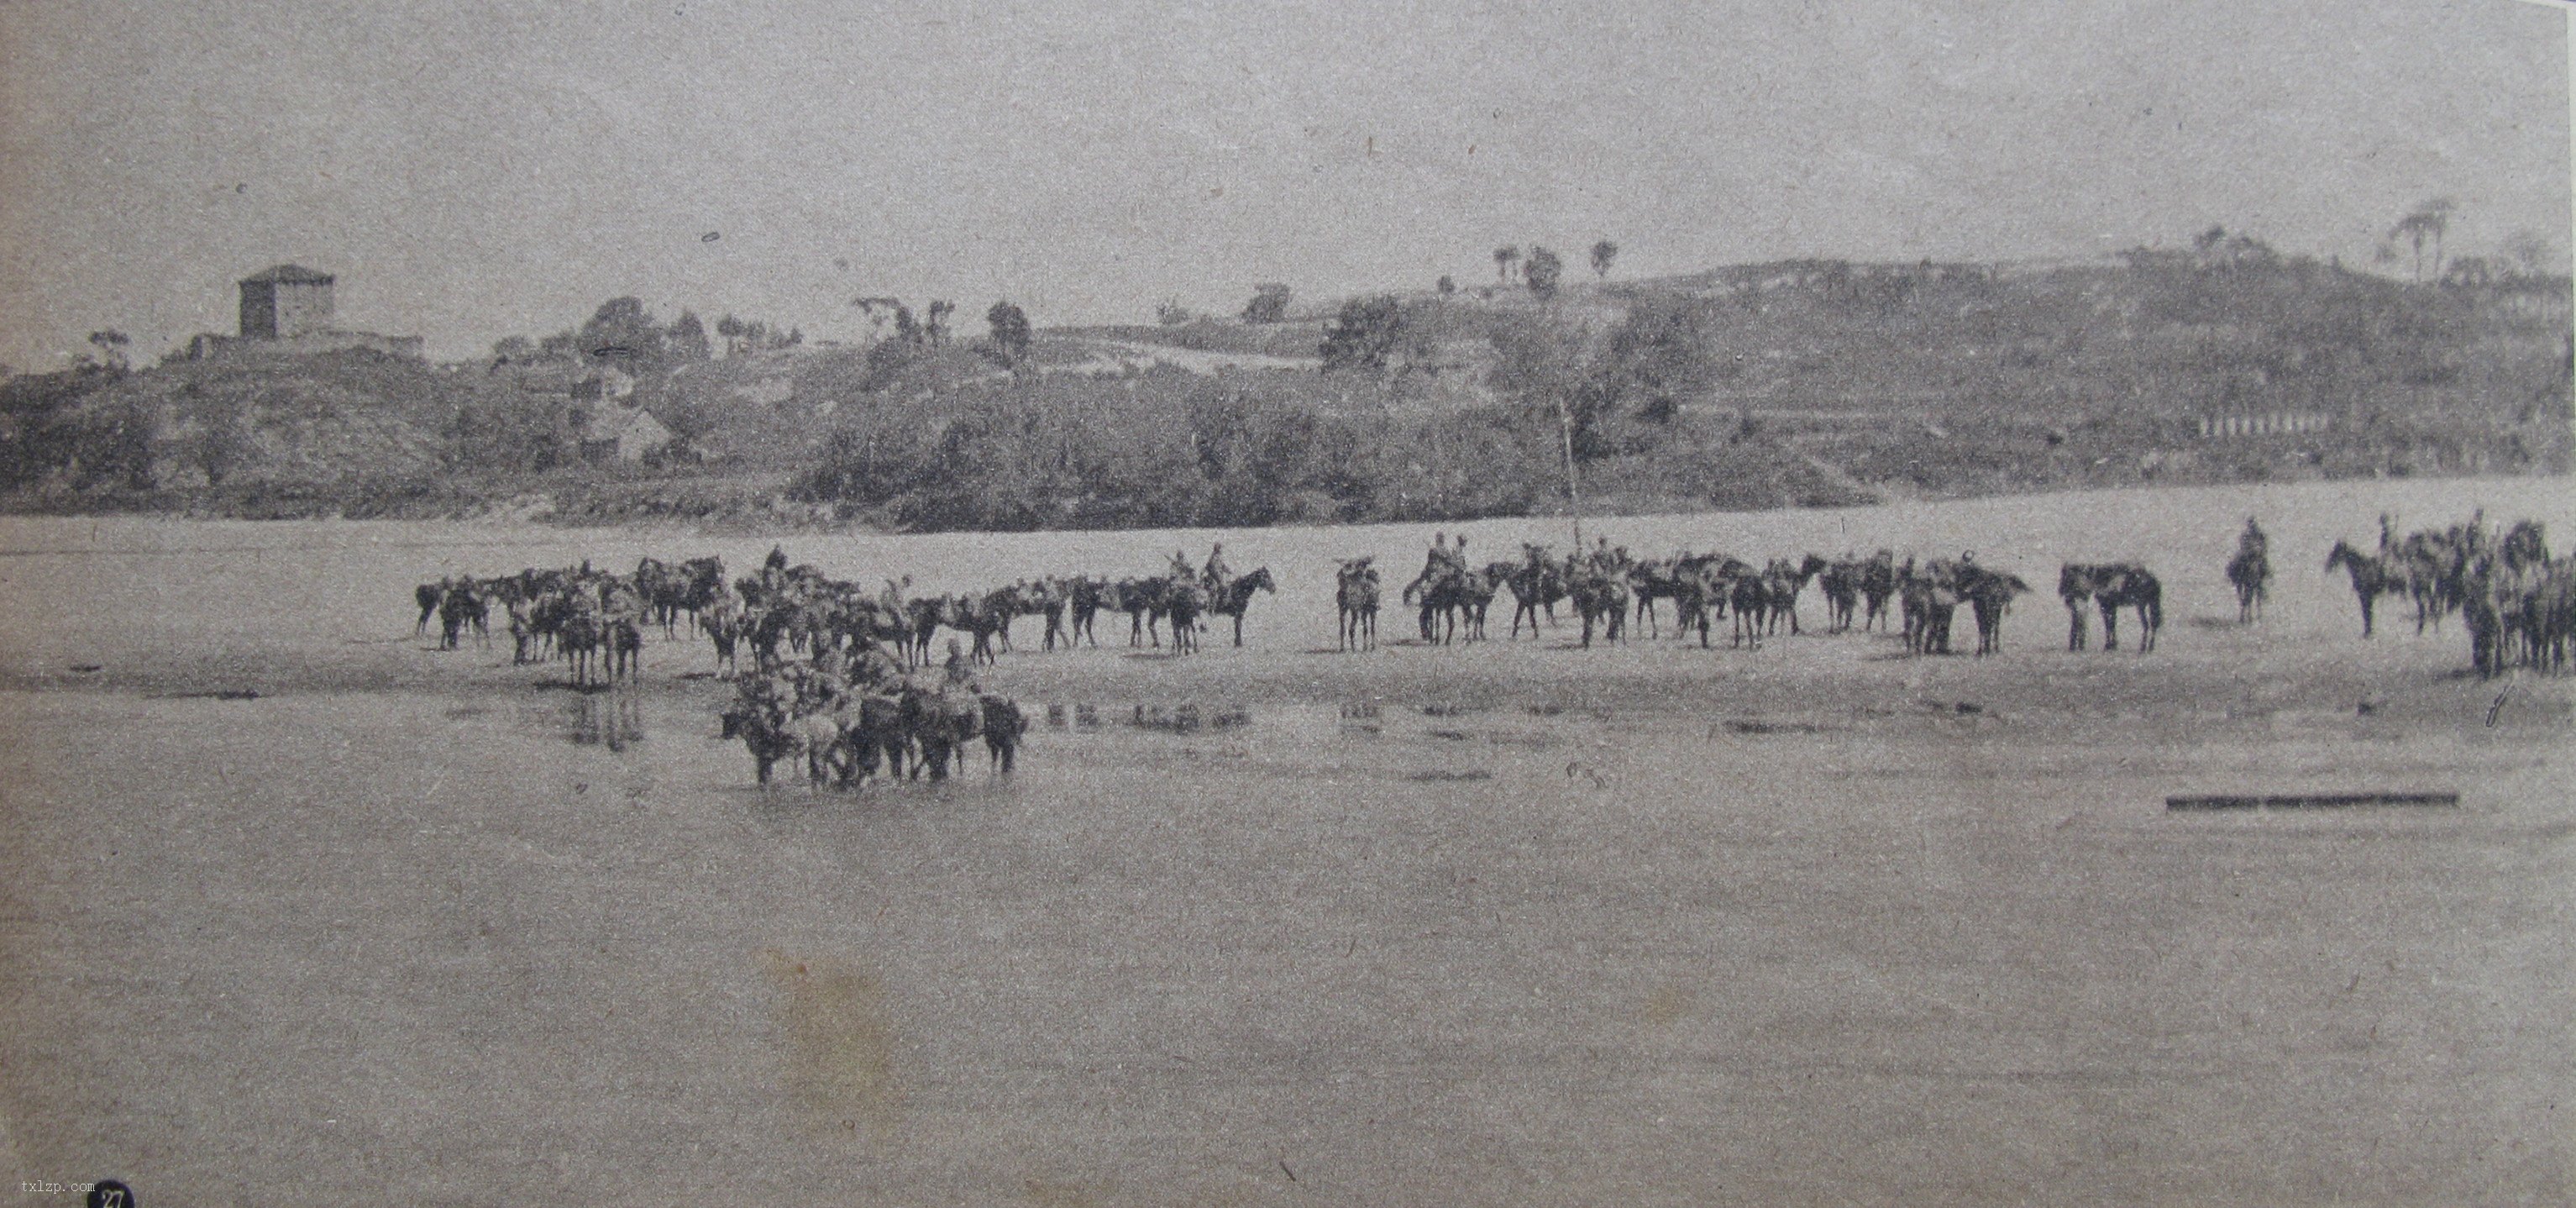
x: 874, y: 668
x: 1182, y: 572
x: 1216, y: 574
x: 959, y: 671
x: 2252, y: 544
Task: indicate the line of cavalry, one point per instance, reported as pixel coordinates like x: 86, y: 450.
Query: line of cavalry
x: 843, y: 678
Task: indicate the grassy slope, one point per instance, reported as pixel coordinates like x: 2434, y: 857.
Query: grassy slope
x: 1837, y: 383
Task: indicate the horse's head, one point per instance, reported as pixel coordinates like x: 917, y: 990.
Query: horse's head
x: 1260, y: 579
x: 2074, y: 579
x: 1809, y: 565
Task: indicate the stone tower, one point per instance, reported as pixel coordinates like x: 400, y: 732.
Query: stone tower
x: 286, y: 301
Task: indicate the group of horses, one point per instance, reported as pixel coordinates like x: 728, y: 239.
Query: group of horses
x: 593, y: 619
x: 2517, y: 603
x: 805, y: 628
x: 1612, y: 594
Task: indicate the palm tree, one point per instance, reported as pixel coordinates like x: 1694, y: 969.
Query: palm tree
x: 2432, y: 219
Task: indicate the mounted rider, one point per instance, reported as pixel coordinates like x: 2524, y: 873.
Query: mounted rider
x: 874, y: 668
x: 1216, y: 574
x: 1601, y: 561
x: 2252, y: 545
x: 958, y: 671
x: 1182, y: 571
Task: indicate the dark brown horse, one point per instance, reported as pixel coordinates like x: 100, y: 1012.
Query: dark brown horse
x: 1990, y: 596
x: 2371, y: 579
x: 2250, y: 573
x: 1235, y: 597
x: 1355, y: 597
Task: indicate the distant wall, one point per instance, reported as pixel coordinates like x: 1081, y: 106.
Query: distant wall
x: 311, y: 343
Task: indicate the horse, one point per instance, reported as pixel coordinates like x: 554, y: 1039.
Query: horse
x: 1748, y: 598
x: 1183, y: 603
x: 1355, y: 595
x: 2251, y: 573
x: 1785, y: 580
x: 1144, y: 602
x: 1841, y: 585
x: 1004, y: 724
x: 1877, y: 583
x: 1235, y: 597
x: 772, y: 738
x: 459, y: 606
x: 1657, y: 579
x: 1047, y: 598
x: 2122, y: 585
x: 941, y: 723
x: 1990, y: 595
x: 427, y: 595
x: 2371, y: 579
x: 624, y: 637
x: 1453, y: 594
x: 1536, y: 584
x: 1600, y: 598
x: 578, y: 640
x: 1087, y: 597
x: 1930, y: 600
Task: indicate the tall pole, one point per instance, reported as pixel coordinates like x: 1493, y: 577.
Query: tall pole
x: 1573, y: 492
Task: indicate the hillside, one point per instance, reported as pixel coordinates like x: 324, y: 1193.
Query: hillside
x: 1807, y: 382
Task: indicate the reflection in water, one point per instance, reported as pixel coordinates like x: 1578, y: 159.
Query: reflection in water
x: 608, y: 719
x: 1188, y: 717
x: 1360, y: 717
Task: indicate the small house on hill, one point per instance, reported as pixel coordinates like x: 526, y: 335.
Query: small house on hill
x: 627, y: 434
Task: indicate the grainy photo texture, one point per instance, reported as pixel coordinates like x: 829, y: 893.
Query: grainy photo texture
x: 779, y: 601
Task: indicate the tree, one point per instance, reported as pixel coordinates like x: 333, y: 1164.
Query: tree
x: 622, y: 331
x: 688, y: 338
x: 1269, y: 303
x: 1364, y: 334
x: 1542, y: 271
x: 1602, y: 254
x: 1010, y: 327
x: 2429, y: 220
x: 2530, y: 251
x: 937, y: 329
x: 731, y: 329
x: 1504, y: 257
x: 1171, y: 313
x: 1447, y: 285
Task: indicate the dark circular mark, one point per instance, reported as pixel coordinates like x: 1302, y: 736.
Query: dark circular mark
x: 109, y: 1193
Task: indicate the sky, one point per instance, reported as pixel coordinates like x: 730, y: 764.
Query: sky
x: 471, y: 170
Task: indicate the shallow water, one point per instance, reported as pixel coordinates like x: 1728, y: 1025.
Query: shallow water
x: 1503, y: 923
